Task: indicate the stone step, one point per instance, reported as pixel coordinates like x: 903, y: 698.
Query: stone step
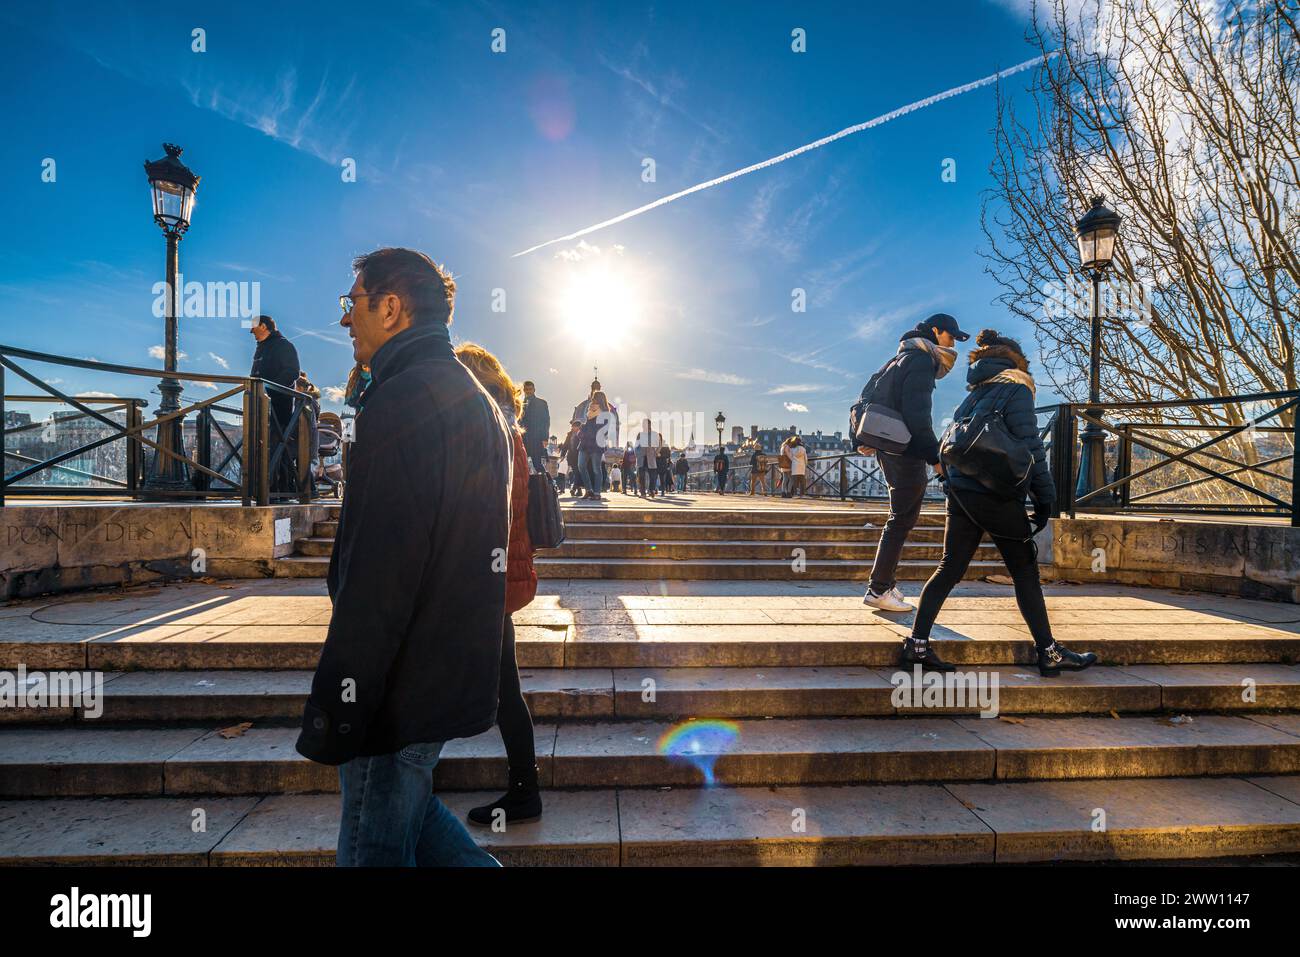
x: 193, y: 760
x: 898, y: 824
x: 755, y: 637
x: 683, y: 532
x: 851, y: 517
x: 665, y: 693
x: 732, y: 569
x: 748, y: 569
x: 671, y: 550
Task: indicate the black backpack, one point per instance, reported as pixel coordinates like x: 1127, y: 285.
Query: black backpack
x: 982, y: 447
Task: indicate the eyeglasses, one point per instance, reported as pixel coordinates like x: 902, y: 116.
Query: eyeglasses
x: 348, y: 302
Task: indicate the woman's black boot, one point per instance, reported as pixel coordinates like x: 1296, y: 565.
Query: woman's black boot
x: 523, y: 802
x: 923, y: 655
x: 1056, y: 658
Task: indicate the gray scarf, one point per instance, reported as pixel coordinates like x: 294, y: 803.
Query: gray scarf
x: 943, y: 356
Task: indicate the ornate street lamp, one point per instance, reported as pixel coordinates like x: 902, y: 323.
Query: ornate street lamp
x: 720, y: 420
x: 1096, y: 233
x: 173, y: 185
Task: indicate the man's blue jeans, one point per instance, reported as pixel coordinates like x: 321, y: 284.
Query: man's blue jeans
x: 391, y: 817
x: 589, y: 467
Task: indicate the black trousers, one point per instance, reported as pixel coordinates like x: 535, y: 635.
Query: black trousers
x: 513, y: 717
x: 961, y: 539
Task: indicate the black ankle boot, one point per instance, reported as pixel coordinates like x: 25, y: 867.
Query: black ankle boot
x: 1056, y: 658
x: 926, y: 659
x: 523, y: 802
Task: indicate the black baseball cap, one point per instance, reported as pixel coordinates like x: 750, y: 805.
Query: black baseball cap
x: 946, y: 323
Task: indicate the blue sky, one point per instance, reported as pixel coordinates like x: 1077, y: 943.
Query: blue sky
x: 472, y: 156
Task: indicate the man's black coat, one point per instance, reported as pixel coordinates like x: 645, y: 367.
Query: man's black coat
x: 536, y: 423
x: 276, y: 360
x: 417, y: 575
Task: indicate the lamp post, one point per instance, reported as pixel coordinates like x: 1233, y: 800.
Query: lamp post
x: 1096, y: 234
x: 719, y: 420
x: 173, y: 185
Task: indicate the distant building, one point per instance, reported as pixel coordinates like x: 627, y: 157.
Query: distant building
x: 769, y: 440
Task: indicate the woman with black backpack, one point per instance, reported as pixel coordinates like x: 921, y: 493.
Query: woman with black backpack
x: 1000, y: 386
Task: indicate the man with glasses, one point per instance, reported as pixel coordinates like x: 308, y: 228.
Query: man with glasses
x: 418, y: 585
x: 276, y: 360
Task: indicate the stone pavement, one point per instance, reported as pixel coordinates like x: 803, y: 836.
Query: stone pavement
x: 1187, y: 737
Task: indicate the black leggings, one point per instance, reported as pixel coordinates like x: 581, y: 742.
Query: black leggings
x: 513, y: 719
x: 961, y: 538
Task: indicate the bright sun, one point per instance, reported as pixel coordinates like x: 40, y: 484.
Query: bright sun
x: 599, y: 301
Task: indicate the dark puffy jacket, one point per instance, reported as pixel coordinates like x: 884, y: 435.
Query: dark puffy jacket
x: 276, y: 360
x: 536, y: 423
x: 419, y: 589
x: 908, y: 388
x: 1012, y: 394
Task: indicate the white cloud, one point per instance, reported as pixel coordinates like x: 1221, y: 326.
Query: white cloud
x: 218, y: 360
x: 335, y: 393
x: 585, y: 250
x: 795, y: 387
x: 706, y: 375
x: 795, y: 407
x: 160, y: 353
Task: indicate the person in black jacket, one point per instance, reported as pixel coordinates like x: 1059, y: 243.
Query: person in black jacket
x: 417, y: 575
x: 276, y: 360
x: 906, y: 385
x: 999, y: 381
x: 536, y: 423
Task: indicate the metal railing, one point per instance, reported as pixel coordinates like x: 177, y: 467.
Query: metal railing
x: 847, y: 476
x: 1205, y: 459
x: 248, y: 454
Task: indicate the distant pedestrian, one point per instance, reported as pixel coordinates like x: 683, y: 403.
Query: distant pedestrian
x: 647, y: 459
x: 276, y: 360
x: 721, y: 465
x: 616, y: 479
x: 569, y: 453
x: 665, y: 463
x: 756, y: 478
x: 536, y: 423
x: 783, y: 464
x: 798, y: 467
x: 682, y: 469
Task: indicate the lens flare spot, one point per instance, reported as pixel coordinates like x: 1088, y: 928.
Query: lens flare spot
x: 700, y: 743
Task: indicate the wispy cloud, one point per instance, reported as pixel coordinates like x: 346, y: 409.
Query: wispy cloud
x: 160, y: 353
x: 254, y: 271
x: 705, y: 375
x: 660, y: 93
x: 219, y: 360
x: 795, y: 389
x: 278, y: 111
x: 795, y: 407
x: 316, y: 334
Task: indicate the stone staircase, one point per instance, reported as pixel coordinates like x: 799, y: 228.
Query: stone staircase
x: 623, y: 540
x: 1157, y: 754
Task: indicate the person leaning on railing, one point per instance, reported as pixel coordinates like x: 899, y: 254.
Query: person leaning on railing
x: 999, y: 383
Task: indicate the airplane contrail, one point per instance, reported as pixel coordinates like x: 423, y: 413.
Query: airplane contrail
x: 848, y: 131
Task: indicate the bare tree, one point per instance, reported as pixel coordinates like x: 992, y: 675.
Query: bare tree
x: 1183, y: 113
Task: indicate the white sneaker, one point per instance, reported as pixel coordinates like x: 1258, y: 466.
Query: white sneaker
x: 891, y: 600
